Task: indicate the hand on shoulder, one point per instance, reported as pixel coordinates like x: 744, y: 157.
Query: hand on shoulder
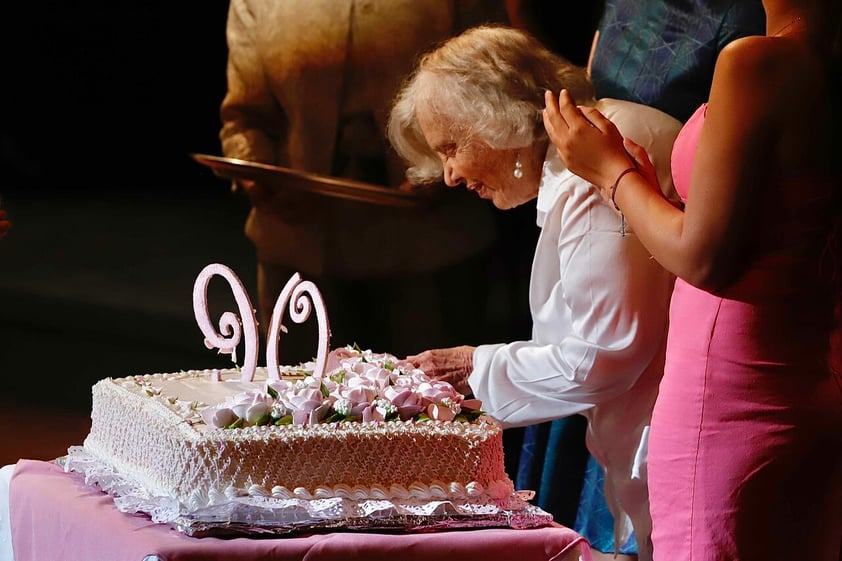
x: 588, y: 143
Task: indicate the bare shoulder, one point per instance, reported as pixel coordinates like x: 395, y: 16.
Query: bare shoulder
x: 768, y: 61
x: 763, y: 84
x: 761, y: 74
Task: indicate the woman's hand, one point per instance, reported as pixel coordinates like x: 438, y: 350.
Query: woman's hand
x: 642, y: 162
x: 587, y: 142
x: 452, y: 365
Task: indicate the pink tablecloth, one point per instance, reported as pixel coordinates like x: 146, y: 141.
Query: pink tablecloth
x: 54, y: 515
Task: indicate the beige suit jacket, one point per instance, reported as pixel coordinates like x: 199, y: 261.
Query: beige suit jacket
x: 295, y: 67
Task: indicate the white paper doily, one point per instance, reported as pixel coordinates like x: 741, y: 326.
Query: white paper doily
x: 266, y: 515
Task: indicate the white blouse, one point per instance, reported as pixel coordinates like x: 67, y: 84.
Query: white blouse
x: 599, y: 306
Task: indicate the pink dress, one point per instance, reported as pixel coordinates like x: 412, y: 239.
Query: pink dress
x: 746, y: 436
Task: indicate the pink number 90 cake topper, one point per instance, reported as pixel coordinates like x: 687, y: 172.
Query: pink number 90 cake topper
x: 295, y: 293
x: 231, y: 326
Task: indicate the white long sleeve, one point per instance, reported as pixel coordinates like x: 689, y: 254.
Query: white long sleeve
x: 599, y: 308
x: 598, y: 300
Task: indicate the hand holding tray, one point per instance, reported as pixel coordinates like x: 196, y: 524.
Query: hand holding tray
x: 288, y: 178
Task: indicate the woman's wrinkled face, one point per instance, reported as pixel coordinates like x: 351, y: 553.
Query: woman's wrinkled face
x: 487, y: 171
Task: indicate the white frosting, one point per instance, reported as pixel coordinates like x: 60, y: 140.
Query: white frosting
x: 149, y: 428
x: 355, y: 429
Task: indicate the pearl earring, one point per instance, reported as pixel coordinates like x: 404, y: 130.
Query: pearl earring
x: 518, y: 173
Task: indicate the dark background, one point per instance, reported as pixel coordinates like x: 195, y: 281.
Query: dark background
x: 96, y: 93
x: 102, y: 104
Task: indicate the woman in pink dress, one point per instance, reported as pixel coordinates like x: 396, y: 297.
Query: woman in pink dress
x: 745, y: 450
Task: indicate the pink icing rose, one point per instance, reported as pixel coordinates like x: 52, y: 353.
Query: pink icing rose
x: 359, y: 394
x: 377, y: 411
x: 305, y: 400
x: 373, y: 372
x: 439, y: 412
x: 308, y: 405
x: 472, y: 404
x: 280, y: 386
x: 218, y: 417
x: 336, y: 356
x: 251, y: 406
x: 436, y: 391
x: 408, y: 402
x: 307, y: 416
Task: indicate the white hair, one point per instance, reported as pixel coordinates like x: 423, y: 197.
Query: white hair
x: 487, y: 84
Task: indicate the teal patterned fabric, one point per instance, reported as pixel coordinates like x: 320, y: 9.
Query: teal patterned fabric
x: 568, y: 482
x: 552, y: 463
x: 662, y: 53
x: 594, y: 520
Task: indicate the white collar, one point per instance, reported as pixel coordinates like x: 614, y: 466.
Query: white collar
x: 550, y: 187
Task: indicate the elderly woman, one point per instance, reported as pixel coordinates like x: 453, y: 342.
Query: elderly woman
x: 471, y: 113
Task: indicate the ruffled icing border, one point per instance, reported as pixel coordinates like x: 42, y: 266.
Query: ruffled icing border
x: 268, y: 515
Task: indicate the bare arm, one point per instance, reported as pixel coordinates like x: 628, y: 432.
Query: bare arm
x: 706, y: 244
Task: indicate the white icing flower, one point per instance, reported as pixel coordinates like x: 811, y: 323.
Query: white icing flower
x: 279, y: 410
x: 451, y: 404
x: 343, y: 406
x: 386, y: 407
x: 218, y: 417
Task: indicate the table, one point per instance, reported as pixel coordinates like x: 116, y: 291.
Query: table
x: 54, y: 515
